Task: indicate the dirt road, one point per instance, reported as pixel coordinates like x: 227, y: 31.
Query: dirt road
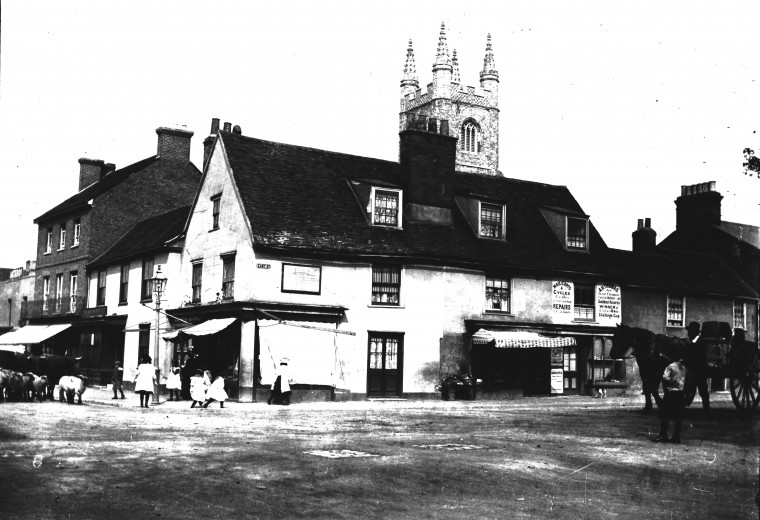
x: 567, y: 457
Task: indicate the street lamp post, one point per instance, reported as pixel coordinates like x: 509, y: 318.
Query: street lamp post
x: 159, y: 282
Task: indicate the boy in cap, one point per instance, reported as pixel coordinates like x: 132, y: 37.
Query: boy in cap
x: 673, y: 403
x: 117, y: 380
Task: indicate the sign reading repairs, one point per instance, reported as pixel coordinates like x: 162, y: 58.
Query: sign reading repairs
x: 562, y: 299
x: 608, y: 303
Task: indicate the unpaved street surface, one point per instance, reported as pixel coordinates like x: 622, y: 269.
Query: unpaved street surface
x: 558, y: 458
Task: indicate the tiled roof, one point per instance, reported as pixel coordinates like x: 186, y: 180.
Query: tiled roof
x: 146, y: 236
x: 93, y: 190
x: 298, y: 199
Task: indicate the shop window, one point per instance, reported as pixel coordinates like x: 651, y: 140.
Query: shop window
x: 583, y: 302
x: 675, y: 311
x: 386, y: 285
x: 491, y: 220
x: 497, y: 294
x: 601, y: 367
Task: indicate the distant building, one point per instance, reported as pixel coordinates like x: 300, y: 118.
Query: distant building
x: 16, y: 287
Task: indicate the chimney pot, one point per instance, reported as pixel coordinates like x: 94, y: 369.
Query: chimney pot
x: 227, y: 127
x: 647, y: 222
x: 641, y: 223
x: 214, y: 125
x: 432, y: 125
x: 236, y: 130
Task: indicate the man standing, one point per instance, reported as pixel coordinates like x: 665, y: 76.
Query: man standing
x: 697, y: 361
x: 673, y: 404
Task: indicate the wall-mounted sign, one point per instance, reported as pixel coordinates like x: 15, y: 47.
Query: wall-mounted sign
x: 301, y: 278
x: 608, y: 304
x: 557, y: 381
x: 562, y: 299
x: 263, y: 266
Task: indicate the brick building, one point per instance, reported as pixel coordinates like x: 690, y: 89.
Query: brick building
x: 109, y: 203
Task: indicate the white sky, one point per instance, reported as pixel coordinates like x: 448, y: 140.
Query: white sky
x: 623, y: 102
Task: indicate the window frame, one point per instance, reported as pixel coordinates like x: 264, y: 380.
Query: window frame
x: 196, y: 266
x: 58, y: 291
x: 394, y: 269
x: 143, y: 341
x: 228, y: 282
x: 45, y: 292
x: 399, y: 208
x: 469, y: 137
x: 49, y: 241
x: 73, y: 287
x: 488, y: 301
x: 502, y: 217
x: 100, y: 289
x: 587, y: 289
x: 123, y: 284
x: 585, y: 221
x: 146, y: 284
x: 62, y: 237
x: 216, y: 210
x: 743, y: 306
x: 77, y: 233
x: 668, y: 311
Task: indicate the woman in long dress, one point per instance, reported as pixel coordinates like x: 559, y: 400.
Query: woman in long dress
x: 145, y: 378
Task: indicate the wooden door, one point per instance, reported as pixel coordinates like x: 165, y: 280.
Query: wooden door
x: 384, y: 373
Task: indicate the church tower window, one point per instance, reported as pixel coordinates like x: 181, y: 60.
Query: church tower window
x: 469, y: 137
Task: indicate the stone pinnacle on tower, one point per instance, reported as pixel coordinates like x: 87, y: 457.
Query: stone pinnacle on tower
x: 442, y: 59
x: 409, y: 82
x: 489, y: 67
x: 455, y: 68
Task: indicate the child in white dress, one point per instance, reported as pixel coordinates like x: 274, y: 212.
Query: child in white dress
x: 216, y: 392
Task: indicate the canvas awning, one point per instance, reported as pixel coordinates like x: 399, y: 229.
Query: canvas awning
x: 32, y: 334
x: 519, y: 339
x: 202, y: 329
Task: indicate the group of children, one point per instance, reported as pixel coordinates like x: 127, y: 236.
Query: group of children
x: 202, y: 390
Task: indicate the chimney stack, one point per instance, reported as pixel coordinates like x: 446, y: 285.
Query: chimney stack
x: 174, y: 143
x: 208, y: 143
x: 227, y: 127
x: 698, y: 207
x: 644, y: 238
x: 90, y: 171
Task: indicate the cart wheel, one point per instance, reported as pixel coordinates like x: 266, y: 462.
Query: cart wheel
x: 745, y: 389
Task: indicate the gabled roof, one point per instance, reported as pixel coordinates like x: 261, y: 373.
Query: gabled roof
x: 145, y: 237
x: 298, y: 198
x: 744, y: 232
x: 676, y: 271
x: 110, y: 180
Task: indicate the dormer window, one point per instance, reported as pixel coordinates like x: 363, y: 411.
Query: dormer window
x: 491, y: 220
x: 577, y: 234
x: 469, y: 138
x: 386, y: 207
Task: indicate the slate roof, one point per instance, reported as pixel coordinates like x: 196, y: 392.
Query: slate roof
x: 146, y: 236
x: 112, y: 179
x: 298, y: 198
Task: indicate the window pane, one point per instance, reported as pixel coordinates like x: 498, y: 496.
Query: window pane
x: 490, y: 220
x: 675, y: 311
x: 739, y: 315
x: 497, y: 294
x: 386, y: 285
x: 386, y: 208
x: 576, y: 233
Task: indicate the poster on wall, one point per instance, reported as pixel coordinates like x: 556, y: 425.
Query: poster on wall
x: 608, y: 304
x: 557, y: 380
x: 562, y: 301
x: 301, y: 278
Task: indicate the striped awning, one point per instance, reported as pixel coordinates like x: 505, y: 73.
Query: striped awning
x: 520, y: 339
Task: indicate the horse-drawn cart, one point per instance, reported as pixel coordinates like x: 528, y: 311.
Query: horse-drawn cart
x: 734, y: 359
x: 715, y: 355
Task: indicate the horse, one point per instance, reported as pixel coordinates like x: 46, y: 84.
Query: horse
x: 654, y: 352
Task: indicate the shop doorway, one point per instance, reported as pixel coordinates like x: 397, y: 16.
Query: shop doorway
x: 384, y: 372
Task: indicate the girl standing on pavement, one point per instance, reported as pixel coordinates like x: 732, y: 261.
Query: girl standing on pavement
x: 145, y: 377
x: 173, y: 381
x: 216, y: 393
x: 198, y: 386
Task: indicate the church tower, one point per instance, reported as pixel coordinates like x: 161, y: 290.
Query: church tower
x: 471, y: 114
